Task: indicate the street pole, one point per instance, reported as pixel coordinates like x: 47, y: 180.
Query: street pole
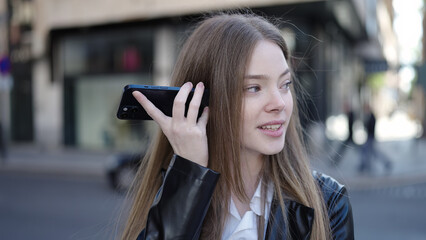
x: 5, y: 87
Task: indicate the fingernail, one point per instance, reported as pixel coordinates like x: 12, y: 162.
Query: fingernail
x: 134, y: 93
x: 201, y: 84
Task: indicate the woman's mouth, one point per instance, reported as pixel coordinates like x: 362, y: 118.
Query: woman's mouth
x: 273, y: 129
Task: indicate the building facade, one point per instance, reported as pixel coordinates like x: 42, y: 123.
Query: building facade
x: 72, y: 58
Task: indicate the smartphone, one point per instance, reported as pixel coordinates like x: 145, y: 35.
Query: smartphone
x: 161, y: 96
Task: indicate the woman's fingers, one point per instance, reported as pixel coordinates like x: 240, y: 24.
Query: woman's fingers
x: 194, y: 105
x: 186, y: 136
x: 178, y: 112
x: 155, y: 113
x: 179, y: 104
x: 204, y: 117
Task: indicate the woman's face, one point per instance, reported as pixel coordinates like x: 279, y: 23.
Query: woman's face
x: 267, y: 103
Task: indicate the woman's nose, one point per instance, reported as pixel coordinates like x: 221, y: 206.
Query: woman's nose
x: 275, y: 101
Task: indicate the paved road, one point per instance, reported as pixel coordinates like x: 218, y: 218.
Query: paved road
x: 36, y: 206
x: 390, y: 213
x: 49, y: 206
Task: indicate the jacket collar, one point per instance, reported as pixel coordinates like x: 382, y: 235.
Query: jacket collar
x: 300, y: 219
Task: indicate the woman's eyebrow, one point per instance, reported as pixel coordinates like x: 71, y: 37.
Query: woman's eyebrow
x: 287, y: 71
x: 264, y: 76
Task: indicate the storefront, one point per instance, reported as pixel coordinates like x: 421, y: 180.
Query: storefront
x: 95, y: 65
x: 82, y: 61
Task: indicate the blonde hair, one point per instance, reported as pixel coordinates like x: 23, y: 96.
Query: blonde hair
x: 217, y: 53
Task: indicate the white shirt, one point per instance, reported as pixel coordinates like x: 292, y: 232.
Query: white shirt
x: 245, y: 228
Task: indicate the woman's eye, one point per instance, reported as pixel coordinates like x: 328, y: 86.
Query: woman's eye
x: 252, y: 89
x: 287, y: 85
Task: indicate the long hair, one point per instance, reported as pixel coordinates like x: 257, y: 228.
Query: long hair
x: 217, y: 53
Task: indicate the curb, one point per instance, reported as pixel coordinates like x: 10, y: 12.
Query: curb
x: 63, y: 162
x: 378, y: 182
x: 76, y: 171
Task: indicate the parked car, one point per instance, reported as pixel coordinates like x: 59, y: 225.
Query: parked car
x: 121, y: 170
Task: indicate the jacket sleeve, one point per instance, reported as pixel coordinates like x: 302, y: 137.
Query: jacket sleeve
x: 339, y: 208
x: 341, y: 220
x: 181, y: 203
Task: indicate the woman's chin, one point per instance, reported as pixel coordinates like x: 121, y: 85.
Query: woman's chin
x: 272, y: 150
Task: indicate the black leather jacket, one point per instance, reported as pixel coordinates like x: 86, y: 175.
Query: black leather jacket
x: 182, y: 201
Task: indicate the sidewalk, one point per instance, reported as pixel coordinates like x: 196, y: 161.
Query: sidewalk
x: 408, y: 158
x: 408, y: 165
x: 62, y: 161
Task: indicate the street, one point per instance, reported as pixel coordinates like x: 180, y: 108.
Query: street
x: 390, y: 213
x: 50, y: 206
x: 36, y: 206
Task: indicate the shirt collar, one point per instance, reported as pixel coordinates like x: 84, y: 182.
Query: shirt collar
x: 255, y: 203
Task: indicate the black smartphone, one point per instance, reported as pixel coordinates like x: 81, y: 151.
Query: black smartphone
x: 161, y: 96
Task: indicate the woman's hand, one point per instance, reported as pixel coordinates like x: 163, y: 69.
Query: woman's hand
x: 186, y: 135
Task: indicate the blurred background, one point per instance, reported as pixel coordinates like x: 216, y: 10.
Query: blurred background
x: 66, y: 160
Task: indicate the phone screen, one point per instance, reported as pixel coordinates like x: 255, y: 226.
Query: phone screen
x: 161, y: 96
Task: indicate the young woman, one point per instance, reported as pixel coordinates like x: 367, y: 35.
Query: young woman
x: 240, y: 171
